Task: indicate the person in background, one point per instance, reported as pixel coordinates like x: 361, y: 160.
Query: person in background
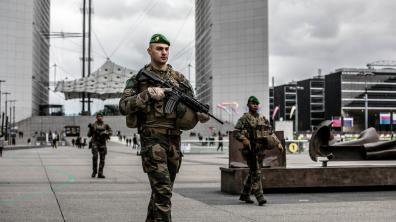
x: 100, y: 133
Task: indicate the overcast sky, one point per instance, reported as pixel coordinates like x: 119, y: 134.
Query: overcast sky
x: 304, y: 35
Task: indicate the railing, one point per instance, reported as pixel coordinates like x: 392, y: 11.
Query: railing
x: 203, y: 146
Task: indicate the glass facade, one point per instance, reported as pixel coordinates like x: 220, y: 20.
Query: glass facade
x: 24, y: 54
x: 232, y: 54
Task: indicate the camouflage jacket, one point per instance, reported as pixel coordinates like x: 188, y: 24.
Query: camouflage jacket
x: 258, y: 124
x: 100, y: 132
x: 136, y: 103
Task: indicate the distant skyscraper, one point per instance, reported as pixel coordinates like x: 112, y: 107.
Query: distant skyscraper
x: 232, y: 55
x: 24, y: 54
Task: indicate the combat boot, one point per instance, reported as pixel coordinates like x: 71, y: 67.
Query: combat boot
x: 246, y: 198
x: 261, y: 201
x: 93, y: 174
x: 101, y: 176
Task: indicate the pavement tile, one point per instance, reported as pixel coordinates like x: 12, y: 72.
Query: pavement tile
x: 26, y: 194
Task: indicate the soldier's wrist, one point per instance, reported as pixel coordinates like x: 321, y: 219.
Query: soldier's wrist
x: 243, y: 138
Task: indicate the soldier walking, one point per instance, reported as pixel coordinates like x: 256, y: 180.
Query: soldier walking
x: 100, y: 133
x: 143, y: 102
x: 254, y: 132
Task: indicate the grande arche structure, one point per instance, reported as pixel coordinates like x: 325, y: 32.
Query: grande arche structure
x: 107, y: 82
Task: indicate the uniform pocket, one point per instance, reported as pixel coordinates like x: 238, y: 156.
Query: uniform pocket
x: 158, y: 153
x: 174, y: 158
x: 153, y: 158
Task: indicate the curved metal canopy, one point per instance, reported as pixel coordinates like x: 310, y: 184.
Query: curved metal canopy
x: 107, y: 82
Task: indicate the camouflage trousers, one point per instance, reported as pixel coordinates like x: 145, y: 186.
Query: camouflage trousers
x: 102, y: 151
x: 161, y: 160
x: 253, y: 184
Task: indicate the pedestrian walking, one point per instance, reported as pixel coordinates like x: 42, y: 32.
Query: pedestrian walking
x: 134, y: 143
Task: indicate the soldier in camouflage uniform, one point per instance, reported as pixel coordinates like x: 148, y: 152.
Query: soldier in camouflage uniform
x: 143, y: 103
x: 254, y: 131
x: 100, y: 132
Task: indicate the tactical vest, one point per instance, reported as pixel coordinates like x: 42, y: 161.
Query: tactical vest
x: 154, y: 116
x: 98, y: 137
x: 259, y: 125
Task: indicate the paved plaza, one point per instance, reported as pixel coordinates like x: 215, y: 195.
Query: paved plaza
x: 54, y: 185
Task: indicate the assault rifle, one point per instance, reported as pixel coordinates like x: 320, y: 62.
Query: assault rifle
x: 175, y: 95
x: 252, y: 154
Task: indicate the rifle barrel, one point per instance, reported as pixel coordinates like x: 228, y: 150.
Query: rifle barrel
x: 193, y: 102
x: 218, y: 120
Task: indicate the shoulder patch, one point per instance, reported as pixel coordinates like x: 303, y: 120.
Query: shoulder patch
x: 180, y: 76
x: 131, y: 82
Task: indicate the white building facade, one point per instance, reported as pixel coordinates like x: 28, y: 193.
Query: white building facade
x: 232, y: 55
x: 24, y: 54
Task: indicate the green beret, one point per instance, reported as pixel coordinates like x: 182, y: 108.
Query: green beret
x: 253, y: 99
x: 159, y: 38
x: 99, y: 114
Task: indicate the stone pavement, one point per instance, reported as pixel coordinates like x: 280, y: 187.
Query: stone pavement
x: 55, y: 185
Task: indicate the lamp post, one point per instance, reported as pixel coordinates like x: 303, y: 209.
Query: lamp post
x: 0, y: 95
x: 6, y: 94
x: 12, y: 123
x: 5, y: 116
x: 189, y: 72
x: 365, y: 74
x: 296, y: 88
x: 12, y: 106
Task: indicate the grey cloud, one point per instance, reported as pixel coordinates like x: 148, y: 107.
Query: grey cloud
x: 311, y: 34
x: 121, y: 9
x: 118, y: 9
x: 326, y: 28
x: 295, y: 34
x: 165, y: 10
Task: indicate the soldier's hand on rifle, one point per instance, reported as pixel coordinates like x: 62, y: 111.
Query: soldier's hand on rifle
x: 280, y: 147
x: 157, y: 93
x: 203, y: 117
x: 245, y: 142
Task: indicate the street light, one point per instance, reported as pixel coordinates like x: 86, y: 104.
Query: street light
x: 12, y: 124
x: 365, y: 74
x: 5, y: 116
x: 6, y: 94
x: 296, y: 88
x: 0, y: 95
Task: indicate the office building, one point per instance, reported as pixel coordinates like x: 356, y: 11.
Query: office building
x: 271, y: 104
x: 285, y: 100
x: 232, y: 55
x: 24, y: 54
x: 345, y: 97
x: 311, y: 103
